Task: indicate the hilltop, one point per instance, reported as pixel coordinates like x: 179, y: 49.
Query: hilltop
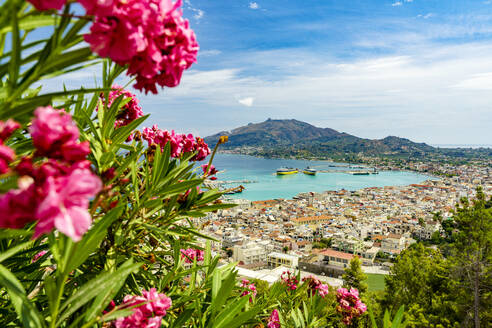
x: 293, y: 137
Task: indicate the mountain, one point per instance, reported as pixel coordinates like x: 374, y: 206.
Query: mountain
x: 276, y: 132
x: 291, y: 137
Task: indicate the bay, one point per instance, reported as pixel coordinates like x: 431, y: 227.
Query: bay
x: 265, y: 184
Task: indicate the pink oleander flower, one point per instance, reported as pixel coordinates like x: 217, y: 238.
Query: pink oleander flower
x: 249, y: 289
x: 7, y: 155
x: 18, y: 205
x: 289, y: 279
x: 202, y: 150
x: 350, y: 306
x: 179, y: 143
x: 323, y: 290
x: 316, y: 286
x: 147, y: 315
x: 7, y: 128
x: 150, y: 36
x: 55, y: 135
x: 38, y: 255
x: 65, y: 205
x: 130, y: 111
x: 56, y: 191
x: 274, y: 320
x: 47, y: 4
x: 207, y: 171
x: 98, y: 7
x: 190, y: 254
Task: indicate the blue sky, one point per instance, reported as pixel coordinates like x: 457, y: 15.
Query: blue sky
x: 418, y: 69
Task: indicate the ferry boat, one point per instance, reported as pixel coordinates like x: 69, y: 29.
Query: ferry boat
x: 360, y: 173
x: 287, y: 170
x: 309, y: 171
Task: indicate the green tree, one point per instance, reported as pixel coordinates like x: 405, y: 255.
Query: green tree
x: 436, y: 237
x: 419, y: 280
x: 354, y: 277
x: 472, y: 261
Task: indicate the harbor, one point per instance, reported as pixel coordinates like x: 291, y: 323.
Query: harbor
x: 259, y: 179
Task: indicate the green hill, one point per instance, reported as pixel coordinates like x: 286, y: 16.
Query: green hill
x: 295, y: 136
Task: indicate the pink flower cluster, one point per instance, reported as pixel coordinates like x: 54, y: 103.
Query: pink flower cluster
x: 315, y: 285
x: 55, y: 135
x: 289, y: 279
x: 7, y: 155
x: 349, y: 304
x: 180, y: 143
x: 249, y: 288
x: 274, y: 320
x: 147, y: 315
x: 190, y: 254
x: 209, y: 172
x: 130, y: 111
x: 55, y: 191
x: 149, y: 36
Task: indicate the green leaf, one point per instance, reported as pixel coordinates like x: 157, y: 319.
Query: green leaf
x: 51, y: 291
x: 183, y: 318
x: 13, y: 233
x: 110, y: 115
x: 373, y: 321
x: 71, y: 35
x: 14, y: 250
x: 92, y: 239
x: 67, y: 59
x: 95, y: 287
x: 225, y: 290
x: 14, y: 64
x: 229, y: 314
x: 398, y: 317
x: 31, y: 22
x: 26, y: 311
x: 121, y: 134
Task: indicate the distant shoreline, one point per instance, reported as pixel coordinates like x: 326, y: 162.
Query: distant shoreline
x: 462, y: 146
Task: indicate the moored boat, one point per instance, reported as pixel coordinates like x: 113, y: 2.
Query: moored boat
x: 287, y: 170
x: 309, y: 171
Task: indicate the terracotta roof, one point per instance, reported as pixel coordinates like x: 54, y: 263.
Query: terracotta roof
x: 337, y: 254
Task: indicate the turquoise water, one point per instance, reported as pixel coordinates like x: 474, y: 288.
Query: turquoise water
x: 267, y: 185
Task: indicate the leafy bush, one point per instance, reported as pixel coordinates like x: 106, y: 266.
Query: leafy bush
x: 97, y: 224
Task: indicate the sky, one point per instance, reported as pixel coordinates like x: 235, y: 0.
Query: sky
x: 419, y: 69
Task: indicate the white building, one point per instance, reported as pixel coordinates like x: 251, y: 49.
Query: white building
x: 275, y: 259
x: 249, y: 253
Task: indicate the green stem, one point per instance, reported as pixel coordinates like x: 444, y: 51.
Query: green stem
x: 211, y: 159
x: 61, y: 287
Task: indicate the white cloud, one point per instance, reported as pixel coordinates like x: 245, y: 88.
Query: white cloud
x: 408, y: 0
x: 419, y: 94
x: 248, y: 101
x: 197, y: 13
x: 426, y: 16
x: 396, y: 4
x: 482, y: 81
x: 207, y: 53
x: 254, y: 5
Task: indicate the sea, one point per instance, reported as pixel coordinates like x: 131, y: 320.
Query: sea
x: 258, y: 176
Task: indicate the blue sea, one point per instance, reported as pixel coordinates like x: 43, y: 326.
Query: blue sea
x: 265, y: 184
